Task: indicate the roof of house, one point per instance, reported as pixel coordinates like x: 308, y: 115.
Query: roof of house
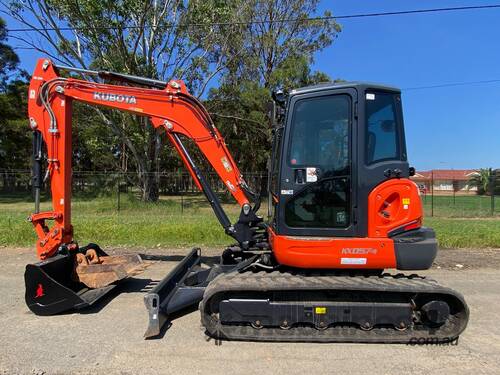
x: 445, y: 174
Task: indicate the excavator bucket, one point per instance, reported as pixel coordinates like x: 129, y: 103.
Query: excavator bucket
x: 67, y: 282
x: 109, y: 270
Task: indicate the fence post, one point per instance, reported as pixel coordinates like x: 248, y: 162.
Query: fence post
x: 118, y: 194
x: 432, y: 193
x: 182, y: 202
x: 492, y: 191
x: 455, y: 188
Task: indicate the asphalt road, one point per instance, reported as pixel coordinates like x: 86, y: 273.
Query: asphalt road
x: 108, y: 339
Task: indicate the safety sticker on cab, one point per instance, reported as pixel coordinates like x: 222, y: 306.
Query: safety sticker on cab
x: 406, y: 203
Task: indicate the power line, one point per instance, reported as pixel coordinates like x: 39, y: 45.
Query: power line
x: 452, y: 84
x: 287, y: 20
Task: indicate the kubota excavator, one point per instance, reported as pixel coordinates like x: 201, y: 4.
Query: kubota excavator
x: 341, y: 210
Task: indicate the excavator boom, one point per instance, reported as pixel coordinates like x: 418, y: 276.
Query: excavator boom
x: 68, y: 275
x: 171, y: 108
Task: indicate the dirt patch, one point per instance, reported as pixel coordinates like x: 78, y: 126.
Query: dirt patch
x: 457, y: 259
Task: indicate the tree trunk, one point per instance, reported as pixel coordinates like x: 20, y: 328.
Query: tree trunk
x: 149, y: 188
x: 149, y: 167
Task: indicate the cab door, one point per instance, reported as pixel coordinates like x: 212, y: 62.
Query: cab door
x: 381, y: 146
x: 316, y: 191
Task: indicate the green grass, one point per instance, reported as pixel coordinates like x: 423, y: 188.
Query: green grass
x: 461, y: 206
x: 170, y: 222
x: 466, y: 232
x: 189, y: 221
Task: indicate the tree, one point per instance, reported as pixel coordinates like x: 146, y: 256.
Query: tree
x: 8, y: 58
x: 481, y: 180
x: 250, y: 47
x: 14, y: 139
x: 150, y: 38
x: 277, y: 54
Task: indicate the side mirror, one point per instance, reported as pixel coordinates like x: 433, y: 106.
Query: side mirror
x: 279, y: 97
x: 277, y: 108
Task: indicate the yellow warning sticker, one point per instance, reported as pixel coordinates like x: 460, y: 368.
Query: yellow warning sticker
x: 320, y: 310
x: 406, y: 200
x: 226, y: 164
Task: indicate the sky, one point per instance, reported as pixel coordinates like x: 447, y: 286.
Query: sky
x: 446, y: 128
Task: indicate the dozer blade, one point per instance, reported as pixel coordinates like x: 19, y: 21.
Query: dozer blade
x: 183, y: 287
x: 56, y: 285
x: 172, y: 294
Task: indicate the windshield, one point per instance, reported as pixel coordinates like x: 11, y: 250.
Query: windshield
x: 320, y: 134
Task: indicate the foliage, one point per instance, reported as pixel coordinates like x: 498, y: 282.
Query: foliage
x: 275, y: 55
x: 14, y: 135
x: 147, y: 38
x: 15, y: 140
x: 199, y: 41
x: 8, y: 58
x: 481, y: 180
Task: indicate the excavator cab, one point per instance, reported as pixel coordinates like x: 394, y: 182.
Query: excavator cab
x: 331, y: 136
x: 339, y: 170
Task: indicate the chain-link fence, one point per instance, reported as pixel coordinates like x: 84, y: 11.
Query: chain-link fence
x: 451, y: 198
x: 89, y: 183
x: 468, y: 198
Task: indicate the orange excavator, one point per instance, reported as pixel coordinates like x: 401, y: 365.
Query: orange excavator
x: 341, y: 210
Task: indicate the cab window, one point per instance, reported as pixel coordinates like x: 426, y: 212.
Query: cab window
x: 382, y: 128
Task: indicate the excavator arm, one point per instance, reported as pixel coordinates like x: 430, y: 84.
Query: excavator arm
x: 168, y: 106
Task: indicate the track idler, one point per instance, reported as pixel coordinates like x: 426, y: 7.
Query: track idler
x: 76, y: 279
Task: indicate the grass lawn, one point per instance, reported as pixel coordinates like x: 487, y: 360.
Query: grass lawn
x: 461, y: 206
x: 189, y: 221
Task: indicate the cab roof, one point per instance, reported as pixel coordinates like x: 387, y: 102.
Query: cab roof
x: 360, y: 86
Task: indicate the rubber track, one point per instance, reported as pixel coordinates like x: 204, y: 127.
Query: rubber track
x: 283, y: 281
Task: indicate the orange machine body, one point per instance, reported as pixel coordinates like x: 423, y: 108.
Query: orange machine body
x: 171, y: 109
x: 394, y: 205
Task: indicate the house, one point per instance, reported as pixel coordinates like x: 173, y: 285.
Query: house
x: 446, y: 181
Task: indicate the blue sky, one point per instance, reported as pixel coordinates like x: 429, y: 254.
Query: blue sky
x: 452, y: 127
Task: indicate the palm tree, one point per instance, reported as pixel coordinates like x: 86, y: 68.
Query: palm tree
x: 481, y: 180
